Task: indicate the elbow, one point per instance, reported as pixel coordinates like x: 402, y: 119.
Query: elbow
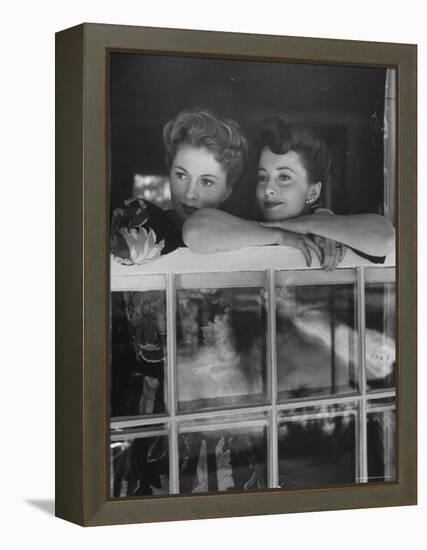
x: 384, y: 241
x: 389, y: 237
x: 190, y: 234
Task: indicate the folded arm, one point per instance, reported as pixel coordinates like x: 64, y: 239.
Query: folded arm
x: 209, y: 230
x: 370, y: 233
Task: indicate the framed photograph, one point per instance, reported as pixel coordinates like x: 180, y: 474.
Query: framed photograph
x: 236, y: 274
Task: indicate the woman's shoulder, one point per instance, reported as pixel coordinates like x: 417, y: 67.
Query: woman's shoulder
x: 316, y: 209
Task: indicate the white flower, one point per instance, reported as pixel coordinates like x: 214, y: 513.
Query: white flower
x: 142, y: 245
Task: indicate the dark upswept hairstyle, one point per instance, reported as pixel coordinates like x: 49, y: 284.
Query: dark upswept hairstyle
x: 281, y: 138
x: 202, y: 128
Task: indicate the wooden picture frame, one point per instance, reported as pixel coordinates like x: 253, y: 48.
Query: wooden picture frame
x: 83, y: 273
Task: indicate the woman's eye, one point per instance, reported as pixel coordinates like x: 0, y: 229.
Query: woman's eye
x: 207, y: 182
x: 262, y: 179
x: 181, y: 175
x: 284, y: 177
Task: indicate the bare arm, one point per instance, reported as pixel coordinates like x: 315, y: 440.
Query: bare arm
x: 370, y: 233
x: 209, y: 230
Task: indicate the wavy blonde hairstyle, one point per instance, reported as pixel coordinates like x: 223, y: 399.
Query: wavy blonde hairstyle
x: 202, y: 128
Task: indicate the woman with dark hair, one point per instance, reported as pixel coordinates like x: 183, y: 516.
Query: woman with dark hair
x: 294, y: 164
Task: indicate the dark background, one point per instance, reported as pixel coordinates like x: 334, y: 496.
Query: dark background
x: 345, y: 104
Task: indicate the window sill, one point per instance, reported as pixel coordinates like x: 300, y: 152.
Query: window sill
x: 259, y: 258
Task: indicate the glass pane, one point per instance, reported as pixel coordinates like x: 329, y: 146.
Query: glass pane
x: 317, y: 449
x: 221, y: 347
x: 381, y: 441
x: 316, y: 340
x: 223, y: 459
x: 140, y: 465
x: 138, y: 353
x: 380, y: 337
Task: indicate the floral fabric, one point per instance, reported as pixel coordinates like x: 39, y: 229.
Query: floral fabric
x: 141, y: 232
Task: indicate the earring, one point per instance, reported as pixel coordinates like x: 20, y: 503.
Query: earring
x: 309, y: 201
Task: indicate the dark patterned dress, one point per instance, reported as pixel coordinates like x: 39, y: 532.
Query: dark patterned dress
x: 140, y: 232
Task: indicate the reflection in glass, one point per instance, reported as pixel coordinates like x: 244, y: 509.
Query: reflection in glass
x: 381, y: 441
x: 380, y: 339
x: 317, y: 449
x: 316, y: 340
x: 153, y: 188
x: 223, y: 459
x: 221, y: 347
x: 138, y: 352
x: 139, y: 466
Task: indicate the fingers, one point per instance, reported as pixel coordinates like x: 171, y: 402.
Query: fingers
x: 330, y: 258
x: 334, y: 261
x: 327, y: 256
x: 343, y: 251
x: 312, y: 244
x: 306, y: 252
x: 330, y: 253
x: 302, y: 245
x: 320, y: 241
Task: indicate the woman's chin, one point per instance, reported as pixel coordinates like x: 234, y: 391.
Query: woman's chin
x: 274, y: 216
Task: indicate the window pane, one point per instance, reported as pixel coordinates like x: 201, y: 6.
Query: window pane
x: 316, y: 340
x: 317, y: 449
x: 381, y: 440
x: 221, y: 347
x: 138, y: 352
x: 140, y: 465
x: 223, y: 459
x: 380, y: 335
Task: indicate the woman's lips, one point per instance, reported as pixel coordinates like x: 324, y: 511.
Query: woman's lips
x: 268, y: 205
x: 188, y: 209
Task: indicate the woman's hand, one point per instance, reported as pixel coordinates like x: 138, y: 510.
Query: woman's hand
x: 332, y: 252
x: 329, y: 252
x: 371, y: 234
x: 305, y: 243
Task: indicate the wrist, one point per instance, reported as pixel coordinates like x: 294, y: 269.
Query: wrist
x: 306, y: 226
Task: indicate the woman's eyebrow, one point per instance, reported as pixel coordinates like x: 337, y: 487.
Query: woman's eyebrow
x: 285, y: 168
x: 180, y: 168
x: 208, y: 176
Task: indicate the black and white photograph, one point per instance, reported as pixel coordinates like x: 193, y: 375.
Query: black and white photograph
x: 252, y: 249
x: 214, y: 227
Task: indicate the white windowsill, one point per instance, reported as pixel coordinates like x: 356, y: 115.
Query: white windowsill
x: 258, y: 258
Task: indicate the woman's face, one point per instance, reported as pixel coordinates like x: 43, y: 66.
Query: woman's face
x: 197, y: 180
x: 283, y: 186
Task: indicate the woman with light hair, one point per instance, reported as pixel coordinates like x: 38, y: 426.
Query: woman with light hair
x: 205, y: 155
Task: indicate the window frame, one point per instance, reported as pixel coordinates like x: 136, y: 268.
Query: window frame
x: 270, y: 279
x: 83, y: 271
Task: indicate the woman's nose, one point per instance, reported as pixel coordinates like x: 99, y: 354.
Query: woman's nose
x: 269, y: 190
x: 192, y: 191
